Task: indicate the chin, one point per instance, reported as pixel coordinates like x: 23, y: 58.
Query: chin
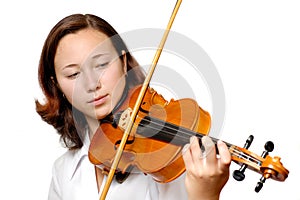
x: 102, y: 114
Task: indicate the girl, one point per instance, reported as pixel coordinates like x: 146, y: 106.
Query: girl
x: 85, y: 69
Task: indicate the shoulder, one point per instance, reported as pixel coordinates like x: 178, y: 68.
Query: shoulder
x: 65, y: 158
x: 72, y: 171
x: 65, y: 164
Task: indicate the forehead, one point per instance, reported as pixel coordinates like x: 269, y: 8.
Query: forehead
x: 76, y: 47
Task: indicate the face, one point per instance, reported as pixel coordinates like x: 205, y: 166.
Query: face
x: 89, y: 72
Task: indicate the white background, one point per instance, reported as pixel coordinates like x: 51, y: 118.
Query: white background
x: 255, y: 46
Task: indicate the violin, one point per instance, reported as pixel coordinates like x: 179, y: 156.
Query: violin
x: 147, y: 132
x: 160, y: 131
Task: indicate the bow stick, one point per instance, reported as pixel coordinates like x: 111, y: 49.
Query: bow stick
x: 138, y: 103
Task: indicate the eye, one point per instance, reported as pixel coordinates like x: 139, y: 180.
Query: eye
x: 102, y: 65
x: 73, y: 76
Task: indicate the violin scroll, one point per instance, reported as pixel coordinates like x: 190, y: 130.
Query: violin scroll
x: 269, y: 167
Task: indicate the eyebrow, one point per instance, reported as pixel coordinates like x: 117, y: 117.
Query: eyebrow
x: 99, y: 55
x: 69, y: 65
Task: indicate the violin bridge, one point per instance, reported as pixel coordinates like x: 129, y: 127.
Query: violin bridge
x: 124, y: 119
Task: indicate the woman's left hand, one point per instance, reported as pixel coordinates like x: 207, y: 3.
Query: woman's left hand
x: 206, y: 172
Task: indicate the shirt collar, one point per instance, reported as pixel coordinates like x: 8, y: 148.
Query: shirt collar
x: 78, y: 155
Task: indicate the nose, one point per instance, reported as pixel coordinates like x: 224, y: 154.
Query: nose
x: 92, y: 81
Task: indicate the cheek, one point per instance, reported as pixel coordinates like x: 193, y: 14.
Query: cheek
x: 115, y: 78
x: 68, y: 88
x: 118, y: 87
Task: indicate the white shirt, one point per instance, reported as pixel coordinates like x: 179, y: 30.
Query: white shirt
x: 74, y: 179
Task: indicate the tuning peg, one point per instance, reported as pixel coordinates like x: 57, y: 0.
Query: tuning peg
x: 260, y: 184
x: 269, y: 147
x: 248, y: 142
x: 239, y: 174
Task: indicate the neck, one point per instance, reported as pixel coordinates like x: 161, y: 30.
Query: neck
x: 93, y: 126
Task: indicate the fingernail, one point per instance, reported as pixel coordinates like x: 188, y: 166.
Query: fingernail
x: 219, y: 142
x: 193, y: 139
x: 207, y: 142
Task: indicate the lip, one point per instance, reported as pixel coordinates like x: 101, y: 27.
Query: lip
x: 99, y: 100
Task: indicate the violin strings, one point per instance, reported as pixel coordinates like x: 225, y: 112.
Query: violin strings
x: 241, y: 154
x: 184, y: 136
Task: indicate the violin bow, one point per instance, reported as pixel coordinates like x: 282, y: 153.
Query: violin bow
x: 138, y: 103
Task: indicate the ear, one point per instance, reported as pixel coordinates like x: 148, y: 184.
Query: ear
x: 124, y: 59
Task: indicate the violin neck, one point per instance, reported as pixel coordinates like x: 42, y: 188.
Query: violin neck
x: 157, y: 129
x: 167, y: 132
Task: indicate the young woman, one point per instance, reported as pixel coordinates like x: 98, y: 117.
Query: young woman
x: 84, y: 70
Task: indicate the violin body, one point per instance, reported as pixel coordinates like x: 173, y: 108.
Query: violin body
x: 155, y: 143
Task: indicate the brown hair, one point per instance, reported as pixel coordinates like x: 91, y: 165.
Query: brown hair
x: 56, y: 110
